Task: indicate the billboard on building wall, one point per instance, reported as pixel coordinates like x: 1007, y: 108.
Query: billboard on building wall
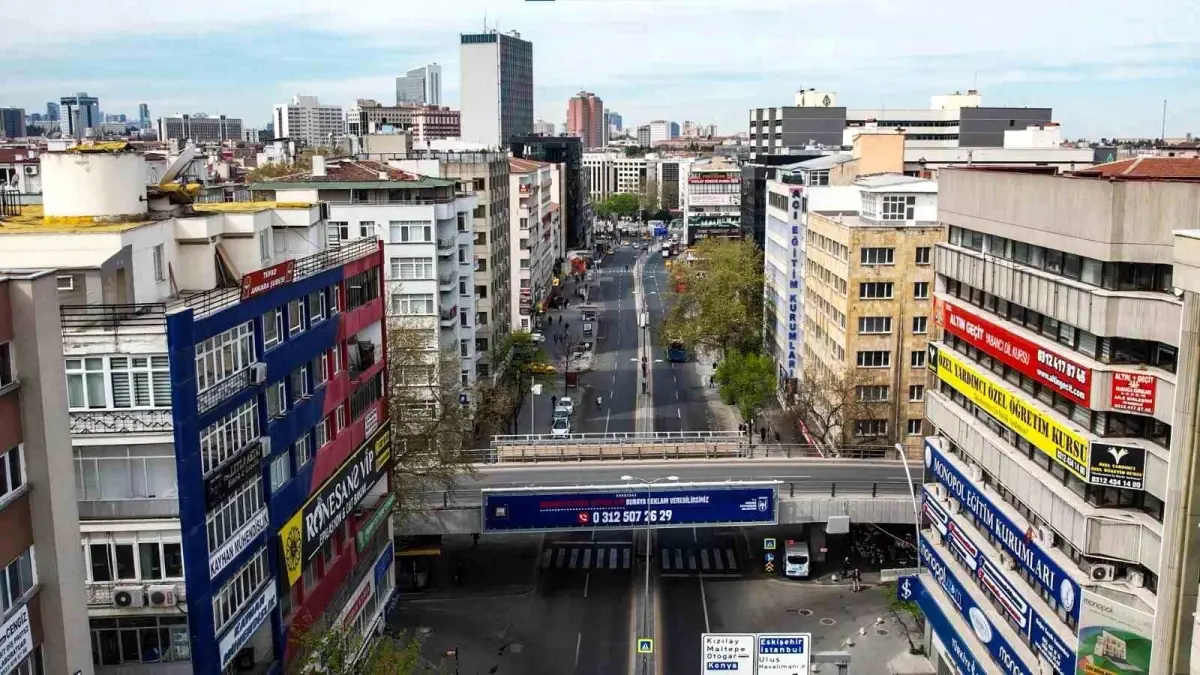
x: 724, y: 199
x: 268, y: 278
x: 1113, y: 639
x: 1134, y: 392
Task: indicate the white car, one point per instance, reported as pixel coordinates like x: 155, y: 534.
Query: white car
x: 561, y: 427
x: 566, y: 402
x: 562, y: 411
x: 537, y: 338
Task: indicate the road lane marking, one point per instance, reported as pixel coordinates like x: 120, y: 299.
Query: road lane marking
x: 587, y: 579
x: 578, y: 642
x: 679, y: 413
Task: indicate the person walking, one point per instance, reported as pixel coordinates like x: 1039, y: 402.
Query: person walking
x: 857, y: 580
x: 762, y: 434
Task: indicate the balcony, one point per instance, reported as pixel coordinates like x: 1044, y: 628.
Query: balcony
x: 86, y: 422
x: 446, y: 246
x: 449, y: 316
x: 363, y: 355
x: 447, y: 282
x: 129, y: 508
x: 100, y: 593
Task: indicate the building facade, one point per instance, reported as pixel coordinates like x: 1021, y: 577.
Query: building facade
x: 425, y: 122
x: 1053, y: 397
x: 543, y: 128
x: 585, y: 119
x: 567, y: 152
x: 81, y: 113
x: 420, y: 86
x: 43, y: 628
x: 643, y: 136
x: 609, y: 173
x: 307, y: 121
x: 200, y: 128
x: 662, y: 130
x: 497, y: 87
x: 12, y: 123
x: 711, y: 200
x: 534, y: 249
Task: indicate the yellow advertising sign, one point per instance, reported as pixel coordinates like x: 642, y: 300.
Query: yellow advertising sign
x: 1061, y: 444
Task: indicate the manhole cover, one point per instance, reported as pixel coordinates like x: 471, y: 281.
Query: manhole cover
x: 804, y: 612
x: 516, y: 648
x: 880, y: 631
x: 424, y: 630
x: 827, y: 621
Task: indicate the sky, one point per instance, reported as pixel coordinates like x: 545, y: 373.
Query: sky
x: 1104, y: 66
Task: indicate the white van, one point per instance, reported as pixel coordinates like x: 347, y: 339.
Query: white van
x: 795, y: 559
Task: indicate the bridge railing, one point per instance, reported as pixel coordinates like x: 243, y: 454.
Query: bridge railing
x: 473, y: 497
x: 619, y: 438
x: 685, y: 446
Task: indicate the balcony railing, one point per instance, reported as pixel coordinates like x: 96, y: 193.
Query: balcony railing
x: 450, y: 315
x: 208, y: 398
x: 386, y: 201
x: 129, y: 508
x: 446, y: 244
x: 85, y: 422
x: 446, y: 281
x: 152, y: 314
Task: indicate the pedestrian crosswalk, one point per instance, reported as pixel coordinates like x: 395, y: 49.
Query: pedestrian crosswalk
x: 590, y: 557
x: 707, y: 560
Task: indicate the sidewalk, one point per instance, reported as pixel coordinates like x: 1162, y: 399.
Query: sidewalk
x: 724, y: 417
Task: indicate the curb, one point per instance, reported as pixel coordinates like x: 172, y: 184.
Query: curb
x: 449, y: 596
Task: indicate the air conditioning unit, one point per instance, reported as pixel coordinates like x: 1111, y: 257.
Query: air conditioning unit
x: 129, y: 596
x: 938, y: 491
x: 31, y: 169
x: 955, y: 506
x: 1045, y: 536
x: 161, y: 596
x: 258, y: 373
x: 1137, y: 579
x: 1007, y: 562
x: 975, y: 473
x: 265, y: 442
x: 1100, y: 571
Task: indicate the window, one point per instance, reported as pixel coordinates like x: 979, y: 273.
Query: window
x: 225, y: 437
x: 335, y: 299
x: 6, y: 364
x: 319, y: 367
x: 335, y: 358
x: 123, y: 472
x: 524, y: 263
x: 65, y: 282
x: 917, y: 358
x: 366, y: 228
x: 870, y: 427
x: 899, y: 207
x: 875, y: 359
x: 220, y: 357
x: 302, y: 450
x: 86, y: 388
x: 264, y: 246
x: 160, y: 264
x: 878, y: 256
x: 280, y: 471
x: 916, y: 392
x: 316, y: 307
x: 410, y: 232
x: 920, y: 324
x: 140, y: 382
x: 16, y: 579
x: 295, y: 316
x: 339, y: 416
x: 914, y: 426
x: 12, y: 470
x: 141, y: 639
x: 158, y: 560
x: 228, y: 518
x: 298, y: 383
x: 923, y: 255
x: 412, y: 268
x: 873, y: 325
x: 272, y: 327
x: 276, y: 400
x: 322, y: 433
x: 413, y: 304
x: 875, y: 290
x: 362, y: 288
x: 338, y: 230
x: 240, y: 588
x: 921, y: 290
x: 871, y: 393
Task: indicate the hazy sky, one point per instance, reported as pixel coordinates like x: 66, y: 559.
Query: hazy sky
x: 1105, y: 66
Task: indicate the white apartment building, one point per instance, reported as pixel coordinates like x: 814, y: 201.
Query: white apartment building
x: 305, y: 119
x: 116, y: 242
x: 710, y: 194
x: 660, y: 130
x: 535, y: 241
x: 496, y: 88
x: 425, y: 224
x: 1035, y: 145
x: 610, y: 173
x: 1062, y: 426
x: 543, y: 128
x: 420, y: 86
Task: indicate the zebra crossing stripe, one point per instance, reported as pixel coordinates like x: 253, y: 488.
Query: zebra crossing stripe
x: 587, y: 558
x: 718, y: 562
x: 612, y: 558
x: 704, y: 558
x: 562, y: 553
x: 665, y: 559
x: 574, y: 557
x: 732, y: 559
x: 627, y: 556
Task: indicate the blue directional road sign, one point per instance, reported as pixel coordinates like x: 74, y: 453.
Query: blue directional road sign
x: 611, y: 507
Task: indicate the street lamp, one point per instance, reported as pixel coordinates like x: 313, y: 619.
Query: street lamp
x: 649, y: 483
x: 912, y: 492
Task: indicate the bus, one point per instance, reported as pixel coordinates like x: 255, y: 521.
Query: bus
x: 666, y: 249
x: 676, y: 352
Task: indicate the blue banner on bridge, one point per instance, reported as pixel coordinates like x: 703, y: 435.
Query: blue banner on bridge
x: 621, y: 508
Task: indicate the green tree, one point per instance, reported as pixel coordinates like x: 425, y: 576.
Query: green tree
x: 746, y: 381
x: 720, y: 305
x: 340, y: 650
x: 602, y: 209
x: 623, y: 205
x: 648, y: 200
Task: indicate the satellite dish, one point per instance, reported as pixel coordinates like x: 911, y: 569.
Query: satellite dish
x: 181, y: 162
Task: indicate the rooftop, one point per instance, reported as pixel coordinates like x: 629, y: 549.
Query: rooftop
x: 525, y: 165
x: 33, y: 221
x: 1146, y: 168
x: 895, y: 182
x: 820, y: 163
x: 15, y: 155
x: 356, y: 174
x: 853, y: 219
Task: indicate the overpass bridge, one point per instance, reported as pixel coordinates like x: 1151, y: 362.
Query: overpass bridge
x: 809, y: 488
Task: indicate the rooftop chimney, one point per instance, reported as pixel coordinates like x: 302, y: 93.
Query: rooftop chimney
x: 318, y: 166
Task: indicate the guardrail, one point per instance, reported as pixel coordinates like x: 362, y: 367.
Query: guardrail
x: 473, y: 497
x: 578, y: 452
x: 626, y: 438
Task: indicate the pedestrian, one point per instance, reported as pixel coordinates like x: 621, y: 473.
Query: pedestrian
x: 857, y: 580
x: 568, y: 327
x: 560, y: 319
x: 553, y: 403
x: 762, y: 434
x: 846, y: 567
x: 777, y: 437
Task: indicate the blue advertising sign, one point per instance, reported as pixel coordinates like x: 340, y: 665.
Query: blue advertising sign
x: 977, y: 617
x: 660, y: 230
x: 912, y: 589
x: 1008, y: 597
x: 615, y: 508
x: 1048, y: 573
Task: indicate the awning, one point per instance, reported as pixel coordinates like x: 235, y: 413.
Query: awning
x: 419, y: 552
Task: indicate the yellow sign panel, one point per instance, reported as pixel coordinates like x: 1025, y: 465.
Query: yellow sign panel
x: 1061, y: 444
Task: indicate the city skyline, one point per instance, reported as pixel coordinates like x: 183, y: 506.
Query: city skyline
x: 1105, y: 72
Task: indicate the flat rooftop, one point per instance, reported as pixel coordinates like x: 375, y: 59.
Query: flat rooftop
x: 33, y: 221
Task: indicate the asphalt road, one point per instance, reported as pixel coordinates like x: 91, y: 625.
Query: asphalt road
x: 683, y: 614
x: 614, y: 376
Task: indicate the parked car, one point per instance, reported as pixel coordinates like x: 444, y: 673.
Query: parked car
x: 568, y: 403
x: 537, y: 338
x: 561, y: 427
x: 561, y: 411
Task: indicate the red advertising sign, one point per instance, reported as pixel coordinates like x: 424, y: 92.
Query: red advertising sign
x: 1060, y: 374
x: 697, y: 179
x: 1134, y: 392
x: 268, y: 278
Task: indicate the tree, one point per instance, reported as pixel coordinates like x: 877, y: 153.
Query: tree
x: 648, y: 201
x: 601, y: 208
x: 720, y: 305
x: 827, y: 400
x: 746, y: 381
x: 623, y: 205
x: 526, y: 363
x: 340, y: 650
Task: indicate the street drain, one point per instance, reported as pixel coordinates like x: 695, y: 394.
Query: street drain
x: 804, y: 612
x: 880, y: 631
x: 827, y: 621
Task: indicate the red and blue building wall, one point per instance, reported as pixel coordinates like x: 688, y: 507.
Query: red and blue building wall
x: 275, y: 601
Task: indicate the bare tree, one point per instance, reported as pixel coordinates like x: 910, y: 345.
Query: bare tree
x: 337, y: 649
x: 828, y: 401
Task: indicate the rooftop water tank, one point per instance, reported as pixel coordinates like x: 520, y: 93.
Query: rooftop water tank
x: 101, y: 186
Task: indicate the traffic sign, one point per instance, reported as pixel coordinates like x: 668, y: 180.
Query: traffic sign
x: 783, y: 653
x: 768, y: 543
x: 770, y: 557
x: 728, y: 652
x: 770, y: 567
x: 645, y: 646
